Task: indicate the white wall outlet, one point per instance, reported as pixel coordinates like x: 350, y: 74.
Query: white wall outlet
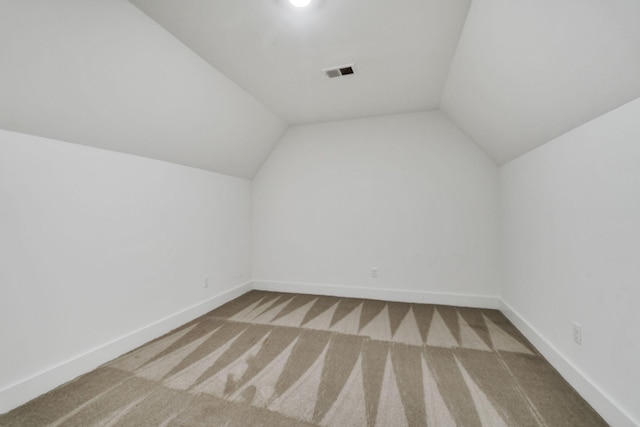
x: 374, y: 273
x: 206, y: 281
x: 577, y: 333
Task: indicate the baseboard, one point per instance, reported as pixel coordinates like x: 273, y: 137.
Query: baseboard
x: 399, y: 295
x: 600, y: 400
x: 19, y: 393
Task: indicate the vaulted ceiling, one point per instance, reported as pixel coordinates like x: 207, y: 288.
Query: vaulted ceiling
x: 215, y: 83
x: 528, y: 71
x: 402, y: 51
x: 512, y: 75
x: 101, y: 73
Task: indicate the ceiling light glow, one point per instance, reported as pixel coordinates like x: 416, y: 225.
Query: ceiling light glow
x: 300, y: 3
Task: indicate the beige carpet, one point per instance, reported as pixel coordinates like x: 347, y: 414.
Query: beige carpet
x: 272, y: 359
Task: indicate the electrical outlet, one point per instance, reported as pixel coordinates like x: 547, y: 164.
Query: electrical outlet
x: 206, y: 281
x: 577, y: 333
x: 374, y: 273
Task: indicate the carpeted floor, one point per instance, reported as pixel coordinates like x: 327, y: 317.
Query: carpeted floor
x: 272, y: 359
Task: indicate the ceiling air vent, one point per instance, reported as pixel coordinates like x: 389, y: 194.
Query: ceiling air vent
x: 342, y: 70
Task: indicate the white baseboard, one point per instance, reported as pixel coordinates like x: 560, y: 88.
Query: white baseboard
x: 19, y: 393
x: 600, y: 400
x: 399, y: 295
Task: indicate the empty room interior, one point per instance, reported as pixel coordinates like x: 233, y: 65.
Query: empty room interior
x: 340, y: 213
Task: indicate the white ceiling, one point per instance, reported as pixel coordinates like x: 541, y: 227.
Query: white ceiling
x: 511, y: 74
x: 402, y: 51
x: 101, y: 73
x: 528, y: 71
x: 523, y: 73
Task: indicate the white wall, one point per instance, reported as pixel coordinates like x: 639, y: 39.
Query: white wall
x: 102, y: 73
x: 95, y: 245
x: 408, y: 194
x: 571, y: 230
